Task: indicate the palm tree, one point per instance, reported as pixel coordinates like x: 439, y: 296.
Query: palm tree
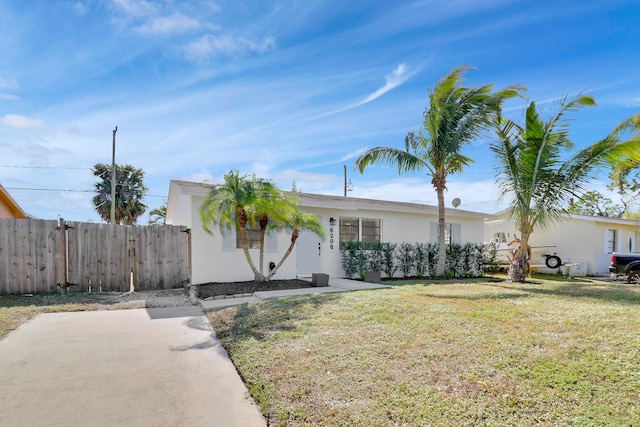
x: 455, y: 116
x: 130, y: 191
x: 159, y: 214
x: 244, y: 201
x: 537, y: 174
x: 230, y: 207
x: 296, y: 222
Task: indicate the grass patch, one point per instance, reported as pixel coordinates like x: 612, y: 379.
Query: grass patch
x: 17, y: 309
x: 550, y: 352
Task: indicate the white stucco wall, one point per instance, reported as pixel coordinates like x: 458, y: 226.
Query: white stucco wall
x: 214, y: 258
x: 576, y: 239
x: 395, y: 228
x: 213, y: 263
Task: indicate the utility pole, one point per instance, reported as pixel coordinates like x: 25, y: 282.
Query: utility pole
x: 345, y: 180
x: 348, y: 185
x: 113, y: 179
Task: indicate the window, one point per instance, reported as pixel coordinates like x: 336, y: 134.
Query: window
x: 366, y: 230
x: 611, y: 243
x: 447, y: 234
x: 349, y: 230
x: 370, y: 232
x: 499, y: 237
x: 253, y: 238
x: 452, y: 233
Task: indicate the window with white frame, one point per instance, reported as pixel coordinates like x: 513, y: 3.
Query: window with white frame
x: 366, y: 230
x: 611, y: 241
x: 349, y: 229
x: 452, y: 233
x: 370, y: 232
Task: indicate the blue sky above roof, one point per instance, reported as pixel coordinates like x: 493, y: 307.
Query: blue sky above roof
x: 288, y: 90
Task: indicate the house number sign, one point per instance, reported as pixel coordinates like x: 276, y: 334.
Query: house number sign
x: 331, y: 237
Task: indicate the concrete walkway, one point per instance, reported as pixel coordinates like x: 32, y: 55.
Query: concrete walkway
x: 335, y: 285
x: 153, y: 367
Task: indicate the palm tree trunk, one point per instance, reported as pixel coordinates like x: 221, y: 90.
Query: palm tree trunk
x: 294, y: 238
x: 244, y: 242
x: 442, y: 247
x: 264, y: 221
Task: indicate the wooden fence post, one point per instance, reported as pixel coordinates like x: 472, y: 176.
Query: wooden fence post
x: 134, y: 269
x: 64, y: 253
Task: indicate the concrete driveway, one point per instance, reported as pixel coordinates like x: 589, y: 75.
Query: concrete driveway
x: 144, y: 367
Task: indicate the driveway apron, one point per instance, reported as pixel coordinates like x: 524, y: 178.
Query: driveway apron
x: 144, y: 367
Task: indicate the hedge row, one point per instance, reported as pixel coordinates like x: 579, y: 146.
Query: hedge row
x: 417, y: 259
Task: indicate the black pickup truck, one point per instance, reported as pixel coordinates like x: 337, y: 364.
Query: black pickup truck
x: 626, y: 264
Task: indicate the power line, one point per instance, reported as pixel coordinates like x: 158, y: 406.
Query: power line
x: 73, y: 191
x: 39, y: 167
x: 73, y: 168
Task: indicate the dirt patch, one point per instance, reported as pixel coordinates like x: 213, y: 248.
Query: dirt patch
x: 118, y: 300
x: 209, y: 290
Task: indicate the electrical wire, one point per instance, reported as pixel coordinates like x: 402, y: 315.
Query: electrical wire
x: 74, y: 191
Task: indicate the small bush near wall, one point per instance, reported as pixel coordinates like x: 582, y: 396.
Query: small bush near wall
x: 374, y: 258
x: 490, y: 261
x: 389, y: 259
x: 419, y: 259
x: 421, y: 252
x: 406, y: 258
x: 353, y: 260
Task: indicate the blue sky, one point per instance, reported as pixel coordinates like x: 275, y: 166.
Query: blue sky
x: 290, y: 90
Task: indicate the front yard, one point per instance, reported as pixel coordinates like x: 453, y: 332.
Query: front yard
x: 552, y: 352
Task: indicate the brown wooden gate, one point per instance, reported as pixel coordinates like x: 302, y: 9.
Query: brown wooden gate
x: 39, y: 256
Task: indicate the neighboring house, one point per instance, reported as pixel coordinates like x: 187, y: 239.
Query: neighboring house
x: 578, y: 239
x: 217, y: 257
x: 9, y: 208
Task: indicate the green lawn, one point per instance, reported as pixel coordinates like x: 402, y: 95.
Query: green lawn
x: 548, y: 352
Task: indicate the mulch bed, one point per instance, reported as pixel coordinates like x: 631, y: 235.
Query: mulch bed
x: 208, y: 290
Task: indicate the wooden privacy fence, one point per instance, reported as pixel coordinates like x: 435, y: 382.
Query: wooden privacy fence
x: 39, y: 256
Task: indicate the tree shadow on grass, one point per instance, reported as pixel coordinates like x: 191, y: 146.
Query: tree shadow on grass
x: 629, y: 294
x: 257, y: 321
x: 482, y: 296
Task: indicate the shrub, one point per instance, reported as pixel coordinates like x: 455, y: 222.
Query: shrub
x: 388, y: 259
x: 490, y: 263
x: 374, y: 257
x: 406, y: 258
x: 353, y: 259
x: 421, y: 251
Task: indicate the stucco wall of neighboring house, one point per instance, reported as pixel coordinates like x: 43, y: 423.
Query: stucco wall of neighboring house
x: 9, y: 208
x: 578, y: 238
x: 5, y: 211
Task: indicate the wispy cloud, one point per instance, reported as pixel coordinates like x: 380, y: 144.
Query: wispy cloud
x: 352, y: 154
x: 392, y: 80
x: 20, y: 122
x: 80, y: 8
x: 8, y: 83
x: 135, y: 8
x: 162, y: 25
x: 8, y: 97
x: 209, y: 46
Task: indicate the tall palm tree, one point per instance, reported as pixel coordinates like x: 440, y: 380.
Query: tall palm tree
x: 455, y: 116
x: 130, y: 191
x: 538, y: 175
